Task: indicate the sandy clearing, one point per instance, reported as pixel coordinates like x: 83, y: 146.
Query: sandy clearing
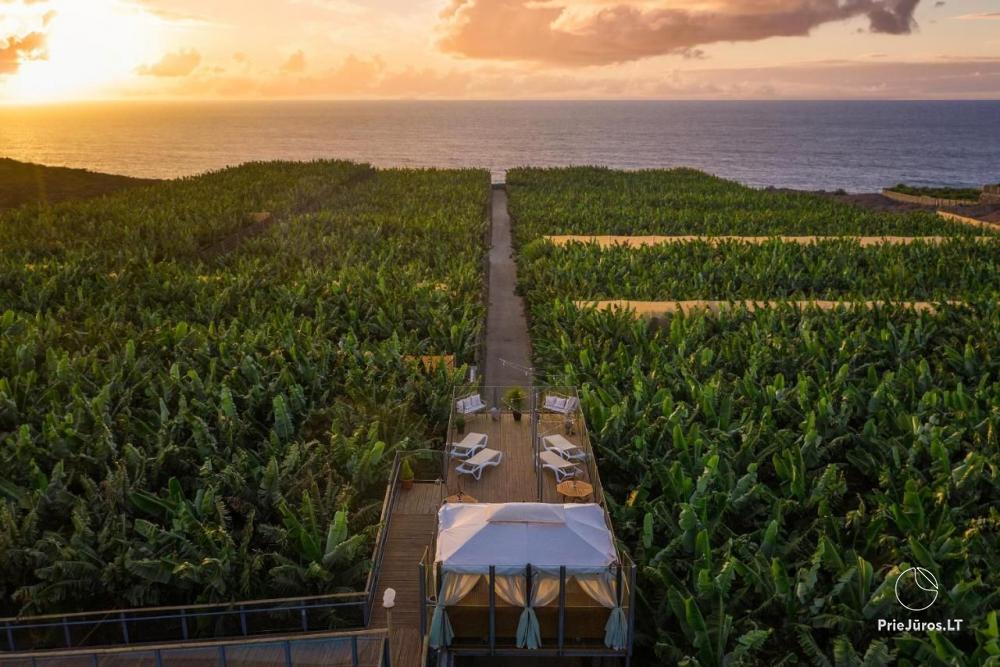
x: 641, y: 241
x: 966, y: 220
x: 658, y: 308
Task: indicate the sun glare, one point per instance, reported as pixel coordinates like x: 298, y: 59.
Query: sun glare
x: 91, y: 47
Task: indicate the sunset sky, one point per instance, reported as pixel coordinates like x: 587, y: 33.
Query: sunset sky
x: 70, y: 50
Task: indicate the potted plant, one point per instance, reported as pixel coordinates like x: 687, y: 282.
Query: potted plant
x: 514, y: 400
x: 460, y: 423
x: 406, y: 474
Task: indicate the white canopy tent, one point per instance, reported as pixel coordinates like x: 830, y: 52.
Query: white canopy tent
x: 510, y: 537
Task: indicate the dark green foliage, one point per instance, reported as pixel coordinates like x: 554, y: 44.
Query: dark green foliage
x: 838, y: 268
x: 26, y: 183
x: 174, y: 430
x: 772, y: 472
x: 591, y: 200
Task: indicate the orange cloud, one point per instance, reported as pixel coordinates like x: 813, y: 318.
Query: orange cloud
x: 178, y: 63
x: 14, y: 50
x: 572, y: 33
x: 295, y: 64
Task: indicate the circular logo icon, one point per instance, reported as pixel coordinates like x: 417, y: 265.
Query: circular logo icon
x: 916, y: 588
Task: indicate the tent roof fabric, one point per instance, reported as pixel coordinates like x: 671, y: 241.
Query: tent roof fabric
x: 474, y: 536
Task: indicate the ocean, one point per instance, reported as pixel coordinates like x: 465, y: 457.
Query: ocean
x: 859, y: 146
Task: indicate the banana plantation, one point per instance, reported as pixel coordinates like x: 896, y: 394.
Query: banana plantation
x: 593, y: 200
x: 773, y: 472
x: 828, y: 269
x: 181, y: 426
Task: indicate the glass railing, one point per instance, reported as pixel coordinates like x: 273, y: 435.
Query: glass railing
x: 184, y: 623
x: 357, y: 649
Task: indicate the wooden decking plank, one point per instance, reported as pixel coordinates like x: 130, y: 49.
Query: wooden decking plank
x: 413, y: 521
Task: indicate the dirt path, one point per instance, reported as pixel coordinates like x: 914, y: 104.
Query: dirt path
x: 508, y: 345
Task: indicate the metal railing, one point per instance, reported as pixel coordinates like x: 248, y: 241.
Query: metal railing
x: 184, y: 623
x: 391, y: 490
x: 364, y: 648
x: 250, y: 618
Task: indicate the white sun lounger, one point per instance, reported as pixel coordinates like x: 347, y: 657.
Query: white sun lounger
x: 470, y: 405
x: 564, y: 448
x: 564, y: 405
x: 559, y: 466
x: 476, y: 464
x: 468, y: 445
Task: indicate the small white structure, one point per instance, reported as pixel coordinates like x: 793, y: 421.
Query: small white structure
x: 527, y: 545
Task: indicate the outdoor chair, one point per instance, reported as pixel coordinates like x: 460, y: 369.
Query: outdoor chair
x: 468, y: 446
x: 564, y: 405
x: 564, y: 448
x: 470, y: 405
x: 475, y: 464
x: 559, y: 466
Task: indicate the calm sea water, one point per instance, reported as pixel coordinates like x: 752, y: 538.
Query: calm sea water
x: 858, y: 146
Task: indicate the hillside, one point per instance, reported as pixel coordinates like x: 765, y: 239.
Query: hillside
x: 24, y: 182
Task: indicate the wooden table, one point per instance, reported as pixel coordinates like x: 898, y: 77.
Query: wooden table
x: 460, y: 497
x: 575, y: 489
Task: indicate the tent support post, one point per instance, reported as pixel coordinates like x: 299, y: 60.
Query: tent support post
x: 493, y: 609
x: 618, y: 583
x: 562, y: 607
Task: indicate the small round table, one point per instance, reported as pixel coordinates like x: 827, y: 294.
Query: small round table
x: 460, y: 497
x: 575, y: 489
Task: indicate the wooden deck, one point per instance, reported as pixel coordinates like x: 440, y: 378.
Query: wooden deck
x: 411, y: 529
x: 516, y: 478
x: 414, y: 515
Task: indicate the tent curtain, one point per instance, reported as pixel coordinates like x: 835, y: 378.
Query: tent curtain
x: 601, y: 588
x: 454, y: 587
x: 544, y: 589
x: 512, y: 589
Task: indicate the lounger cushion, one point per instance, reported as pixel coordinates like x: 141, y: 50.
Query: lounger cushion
x: 554, y: 460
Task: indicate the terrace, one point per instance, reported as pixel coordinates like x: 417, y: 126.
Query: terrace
x: 570, y: 621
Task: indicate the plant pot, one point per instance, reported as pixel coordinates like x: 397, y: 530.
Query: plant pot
x: 517, y: 415
x: 407, y: 484
x: 460, y: 429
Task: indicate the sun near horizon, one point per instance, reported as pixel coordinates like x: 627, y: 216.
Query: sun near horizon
x: 90, y: 50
